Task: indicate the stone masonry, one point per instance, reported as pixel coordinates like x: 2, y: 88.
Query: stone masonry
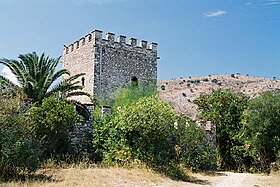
x: 110, y: 64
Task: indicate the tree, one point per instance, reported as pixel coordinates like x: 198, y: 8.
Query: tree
x: 19, y: 151
x: 36, y: 77
x: 52, y: 121
x: 193, y: 148
x: 141, y: 130
x: 263, y: 128
x: 225, y: 109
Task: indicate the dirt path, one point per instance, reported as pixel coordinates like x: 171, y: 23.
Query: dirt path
x: 247, y: 180
x: 233, y: 179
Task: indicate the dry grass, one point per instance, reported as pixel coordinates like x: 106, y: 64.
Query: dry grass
x: 137, y: 177
x: 108, y: 177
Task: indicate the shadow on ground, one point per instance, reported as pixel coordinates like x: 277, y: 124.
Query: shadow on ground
x: 29, y: 178
x: 177, y: 173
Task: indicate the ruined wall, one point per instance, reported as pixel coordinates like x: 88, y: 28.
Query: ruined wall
x: 110, y: 64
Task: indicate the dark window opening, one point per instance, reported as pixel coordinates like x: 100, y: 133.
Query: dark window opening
x: 83, y: 81
x: 134, y: 81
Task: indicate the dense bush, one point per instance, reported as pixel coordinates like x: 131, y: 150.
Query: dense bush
x: 139, y: 131
x: 193, y: 148
x: 18, y: 150
x: 146, y: 129
x: 52, y: 121
x: 262, y: 131
x: 225, y: 109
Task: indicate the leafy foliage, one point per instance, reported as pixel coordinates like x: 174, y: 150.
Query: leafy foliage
x: 127, y: 96
x: 144, y: 130
x: 19, y: 151
x: 140, y: 131
x: 52, y: 121
x: 36, y: 76
x: 225, y: 109
x: 262, y: 133
x: 193, y: 148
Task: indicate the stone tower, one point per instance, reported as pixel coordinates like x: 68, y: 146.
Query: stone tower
x: 110, y: 64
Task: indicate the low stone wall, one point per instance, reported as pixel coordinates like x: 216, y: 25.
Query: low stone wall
x: 81, y: 136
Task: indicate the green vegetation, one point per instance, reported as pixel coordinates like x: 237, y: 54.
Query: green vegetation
x: 262, y: 130
x: 225, y: 110
x: 36, y: 121
x: 52, y: 121
x: 247, y: 131
x: 133, y: 135
x: 145, y: 130
x: 36, y: 76
x: 19, y: 150
x: 34, y: 118
x: 193, y: 148
x: 127, y: 96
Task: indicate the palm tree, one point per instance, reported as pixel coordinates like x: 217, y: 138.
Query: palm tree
x: 36, y: 78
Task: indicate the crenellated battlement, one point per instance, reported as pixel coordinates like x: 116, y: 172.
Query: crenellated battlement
x: 96, y: 38
x: 110, y: 62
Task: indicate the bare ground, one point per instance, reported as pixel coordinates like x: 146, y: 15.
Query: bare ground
x: 118, y: 177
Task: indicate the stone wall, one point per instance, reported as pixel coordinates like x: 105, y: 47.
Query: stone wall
x: 110, y: 64
x: 81, y: 136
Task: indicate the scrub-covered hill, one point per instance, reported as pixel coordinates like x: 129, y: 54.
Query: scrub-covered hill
x: 181, y: 92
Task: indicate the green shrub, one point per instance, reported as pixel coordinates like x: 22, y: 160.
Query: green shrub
x: 140, y: 131
x: 19, y: 152
x: 225, y: 109
x: 215, y: 81
x: 262, y: 132
x: 127, y: 96
x: 193, y: 149
x: 52, y: 121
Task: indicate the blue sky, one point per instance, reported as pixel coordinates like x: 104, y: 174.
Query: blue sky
x: 195, y: 37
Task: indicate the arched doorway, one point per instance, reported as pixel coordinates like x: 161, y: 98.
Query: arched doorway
x: 134, y: 81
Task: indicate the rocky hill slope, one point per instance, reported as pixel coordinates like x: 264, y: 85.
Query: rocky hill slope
x: 181, y: 92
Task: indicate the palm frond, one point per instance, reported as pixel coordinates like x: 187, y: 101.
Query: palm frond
x: 9, y: 84
x: 36, y: 75
x: 74, y: 77
x: 16, y: 68
x: 59, y: 74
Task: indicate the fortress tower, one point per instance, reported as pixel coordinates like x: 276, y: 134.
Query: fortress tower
x: 110, y: 64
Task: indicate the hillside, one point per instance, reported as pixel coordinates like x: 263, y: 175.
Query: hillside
x: 181, y: 92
